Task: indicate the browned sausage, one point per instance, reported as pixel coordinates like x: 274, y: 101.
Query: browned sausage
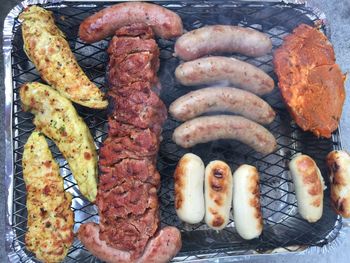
x: 227, y: 99
x: 222, y: 38
x: 214, y: 69
x: 309, y: 186
x: 246, y: 202
x: 210, y: 128
x: 161, y: 248
x: 165, y: 23
x: 338, y: 163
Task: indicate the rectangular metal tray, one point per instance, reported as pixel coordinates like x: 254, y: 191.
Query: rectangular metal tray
x: 283, y: 227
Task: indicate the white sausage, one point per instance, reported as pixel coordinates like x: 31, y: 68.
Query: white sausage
x: 218, y: 194
x: 189, y: 197
x: 309, y: 186
x: 210, y: 128
x: 227, y: 99
x: 246, y: 202
x: 338, y: 163
x: 215, y: 69
x: 222, y: 38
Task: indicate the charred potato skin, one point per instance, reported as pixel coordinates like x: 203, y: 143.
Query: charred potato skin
x: 50, y: 219
x: 338, y: 163
x: 49, y: 51
x: 56, y: 117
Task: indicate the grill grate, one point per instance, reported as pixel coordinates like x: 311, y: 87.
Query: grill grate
x: 282, y: 225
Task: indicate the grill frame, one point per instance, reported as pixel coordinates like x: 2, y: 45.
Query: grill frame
x: 288, y: 145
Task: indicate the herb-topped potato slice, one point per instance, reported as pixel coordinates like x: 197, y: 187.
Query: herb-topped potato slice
x: 56, y: 117
x: 50, y: 218
x: 47, y: 48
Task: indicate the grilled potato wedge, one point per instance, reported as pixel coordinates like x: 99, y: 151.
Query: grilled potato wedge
x: 56, y: 117
x: 50, y: 219
x: 47, y: 48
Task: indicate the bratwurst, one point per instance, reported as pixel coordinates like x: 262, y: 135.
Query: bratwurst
x: 338, y: 163
x: 210, y: 128
x: 309, y: 186
x: 226, y: 99
x: 215, y: 69
x: 161, y: 248
x: 246, y: 202
x: 165, y: 23
x: 204, y: 41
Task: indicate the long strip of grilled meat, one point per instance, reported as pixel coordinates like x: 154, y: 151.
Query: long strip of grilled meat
x: 127, y: 196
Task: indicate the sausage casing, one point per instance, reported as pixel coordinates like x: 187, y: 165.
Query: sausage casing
x: 160, y: 249
x: 214, y: 69
x: 210, y: 128
x: 246, y: 202
x: 204, y: 41
x: 165, y: 23
x: 189, y: 197
x: 227, y: 99
x: 338, y: 163
x: 218, y: 194
x: 309, y: 186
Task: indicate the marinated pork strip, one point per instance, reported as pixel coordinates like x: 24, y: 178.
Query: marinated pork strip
x: 127, y: 195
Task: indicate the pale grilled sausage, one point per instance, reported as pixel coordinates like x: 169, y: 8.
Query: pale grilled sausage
x: 189, y: 197
x: 165, y: 23
x: 246, y: 202
x: 309, y: 186
x: 222, y: 38
x: 160, y: 249
x: 226, y: 99
x: 215, y: 69
x: 218, y: 194
x: 338, y: 163
x: 210, y: 128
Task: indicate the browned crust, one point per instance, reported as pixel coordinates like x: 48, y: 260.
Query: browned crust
x: 254, y: 202
x: 338, y: 178
x: 179, y: 179
x: 310, y: 178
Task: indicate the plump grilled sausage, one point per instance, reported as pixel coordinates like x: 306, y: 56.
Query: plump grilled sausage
x: 309, y: 186
x: 218, y: 194
x: 165, y: 23
x: 189, y: 198
x: 210, y: 128
x: 338, y: 163
x: 222, y: 38
x: 161, y: 248
x: 214, y: 69
x: 227, y: 99
x: 246, y: 202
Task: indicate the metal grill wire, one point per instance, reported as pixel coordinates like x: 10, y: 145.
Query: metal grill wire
x: 283, y: 227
